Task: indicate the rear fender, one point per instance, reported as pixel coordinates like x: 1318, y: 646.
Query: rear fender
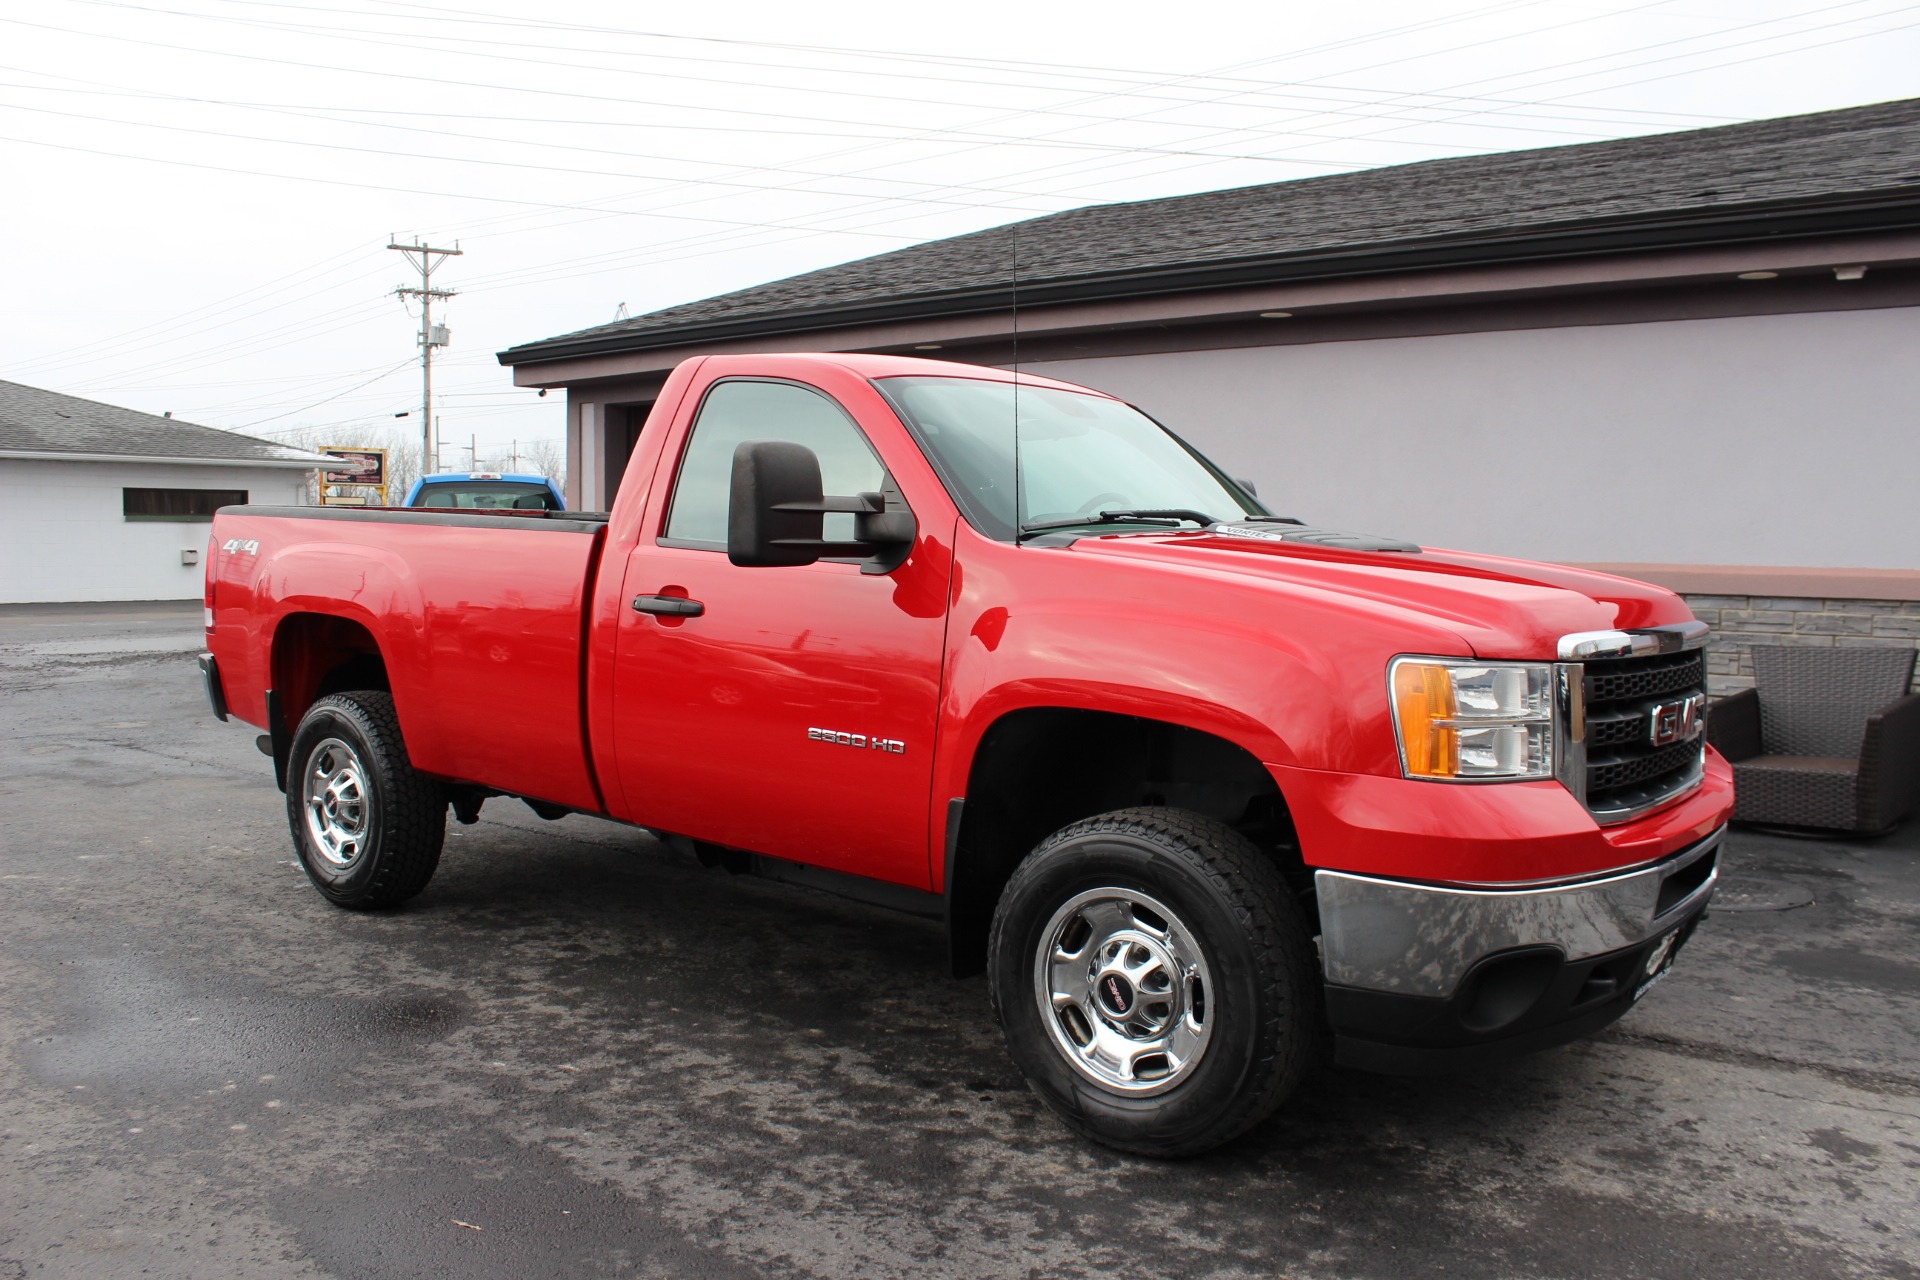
x: 333, y: 604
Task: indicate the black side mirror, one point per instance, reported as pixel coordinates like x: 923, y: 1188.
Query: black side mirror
x: 775, y: 507
x: 773, y: 513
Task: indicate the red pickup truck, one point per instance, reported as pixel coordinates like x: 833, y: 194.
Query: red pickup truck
x: 1202, y: 788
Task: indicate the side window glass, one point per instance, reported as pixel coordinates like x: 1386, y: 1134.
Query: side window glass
x: 735, y: 412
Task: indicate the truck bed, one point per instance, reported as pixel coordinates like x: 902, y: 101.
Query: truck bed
x: 480, y: 618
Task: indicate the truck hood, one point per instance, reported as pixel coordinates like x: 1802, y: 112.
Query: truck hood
x: 1497, y: 607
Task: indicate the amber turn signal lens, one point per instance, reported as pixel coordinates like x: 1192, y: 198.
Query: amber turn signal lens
x: 1424, y: 705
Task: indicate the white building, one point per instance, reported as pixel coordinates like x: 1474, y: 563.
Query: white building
x: 103, y: 503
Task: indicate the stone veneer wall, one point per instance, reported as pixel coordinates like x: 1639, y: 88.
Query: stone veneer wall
x: 1740, y: 621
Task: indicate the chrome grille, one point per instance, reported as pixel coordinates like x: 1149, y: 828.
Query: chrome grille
x: 1626, y: 678
x: 1606, y: 776
x: 1625, y: 772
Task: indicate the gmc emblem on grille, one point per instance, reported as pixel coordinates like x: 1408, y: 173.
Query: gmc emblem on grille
x: 1681, y: 721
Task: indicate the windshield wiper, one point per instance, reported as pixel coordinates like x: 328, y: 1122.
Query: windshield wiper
x: 1143, y: 515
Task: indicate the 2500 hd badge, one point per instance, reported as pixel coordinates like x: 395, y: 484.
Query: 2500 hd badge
x: 893, y: 746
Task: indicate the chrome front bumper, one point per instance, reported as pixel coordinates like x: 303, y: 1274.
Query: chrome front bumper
x: 1421, y: 940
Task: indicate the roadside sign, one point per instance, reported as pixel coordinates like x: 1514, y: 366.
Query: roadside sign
x: 357, y: 466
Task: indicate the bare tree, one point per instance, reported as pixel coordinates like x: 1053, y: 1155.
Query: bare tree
x: 539, y: 457
x: 547, y: 458
x: 403, y: 457
x: 403, y: 463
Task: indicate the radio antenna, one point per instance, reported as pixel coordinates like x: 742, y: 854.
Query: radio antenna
x: 1019, y: 481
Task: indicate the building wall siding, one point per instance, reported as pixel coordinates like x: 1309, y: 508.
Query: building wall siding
x: 1757, y: 440
x: 66, y: 539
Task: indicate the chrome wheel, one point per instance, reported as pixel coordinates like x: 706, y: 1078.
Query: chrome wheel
x: 1124, y: 990
x: 338, y: 803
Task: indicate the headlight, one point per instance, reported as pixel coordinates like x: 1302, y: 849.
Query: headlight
x: 1462, y: 720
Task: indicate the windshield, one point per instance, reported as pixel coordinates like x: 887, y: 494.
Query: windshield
x: 1080, y: 455
x: 486, y: 495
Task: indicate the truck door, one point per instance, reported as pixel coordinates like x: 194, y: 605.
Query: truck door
x: 789, y: 711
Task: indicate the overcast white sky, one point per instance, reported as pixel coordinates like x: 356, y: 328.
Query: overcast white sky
x: 198, y: 192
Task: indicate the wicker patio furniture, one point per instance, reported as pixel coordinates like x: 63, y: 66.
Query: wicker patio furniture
x: 1826, y: 738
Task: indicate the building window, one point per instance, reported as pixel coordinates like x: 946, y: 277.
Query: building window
x: 178, y: 504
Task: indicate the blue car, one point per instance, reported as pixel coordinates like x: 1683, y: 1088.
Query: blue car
x: 485, y: 491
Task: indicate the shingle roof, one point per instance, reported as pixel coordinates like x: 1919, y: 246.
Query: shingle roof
x: 1866, y: 158
x: 37, y: 421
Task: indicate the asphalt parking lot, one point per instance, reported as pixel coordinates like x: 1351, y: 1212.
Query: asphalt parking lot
x: 578, y: 1054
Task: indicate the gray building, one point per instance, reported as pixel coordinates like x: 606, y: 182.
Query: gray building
x: 1692, y: 358
x: 103, y: 503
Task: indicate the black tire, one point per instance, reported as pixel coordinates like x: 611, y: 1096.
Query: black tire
x: 1260, y: 1010
x: 395, y: 816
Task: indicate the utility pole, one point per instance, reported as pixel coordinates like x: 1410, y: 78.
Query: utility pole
x: 424, y: 260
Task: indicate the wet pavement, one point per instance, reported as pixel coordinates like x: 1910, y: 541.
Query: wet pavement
x: 578, y: 1055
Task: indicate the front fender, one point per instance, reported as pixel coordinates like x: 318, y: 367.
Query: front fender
x: 1296, y: 679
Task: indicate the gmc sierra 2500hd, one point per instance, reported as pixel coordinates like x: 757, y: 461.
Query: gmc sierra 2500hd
x: 1199, y: 786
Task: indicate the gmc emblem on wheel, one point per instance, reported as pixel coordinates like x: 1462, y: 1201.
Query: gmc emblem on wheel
x: 866, y: 742
x: 1681, y: 721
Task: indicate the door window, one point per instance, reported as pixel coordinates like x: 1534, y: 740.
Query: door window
x: 742, y: 410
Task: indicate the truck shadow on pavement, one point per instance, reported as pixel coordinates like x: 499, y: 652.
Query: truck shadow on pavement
x: 773, y: 1055
x: 609, y: 1060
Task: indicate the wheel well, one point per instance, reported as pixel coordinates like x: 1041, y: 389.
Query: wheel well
x: 1037, y: 770
x: 315, y: 654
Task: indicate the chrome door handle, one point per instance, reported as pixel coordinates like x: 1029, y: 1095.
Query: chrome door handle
x: 670, y: 606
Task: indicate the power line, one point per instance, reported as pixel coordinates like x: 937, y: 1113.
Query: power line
x: 330, y: 399
x: 515, y: 164
x: 1458, y: 114
x: 597, y: 211
x: 452, y: 195
x: 923, y: 135
x: 207, y: 311
x: 846, y: 151
x: 301, y: 382
x: 1461, y: 114
x: 335, y: 34
x: 1097, y: 97
x: 327, y: 113
x: 738, y: 231
x: 1082, y: 71
x: 495, y: 86
x: 1692, y: 37
x: 249, y: 345
x: 1246, y: 88
x: 1139, y: 116
x: 332, y: 115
